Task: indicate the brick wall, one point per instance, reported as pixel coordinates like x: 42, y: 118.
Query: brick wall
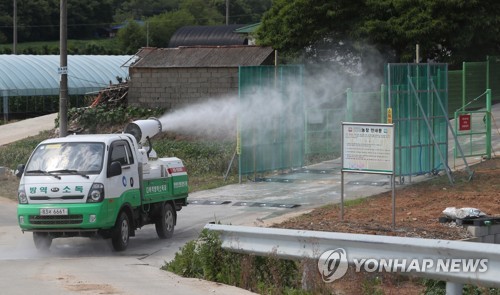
x: 172, y: 88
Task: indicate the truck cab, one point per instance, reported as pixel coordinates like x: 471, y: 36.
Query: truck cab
x: 98, y: 185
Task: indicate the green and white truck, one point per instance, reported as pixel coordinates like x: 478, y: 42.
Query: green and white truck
x: 105, y: 185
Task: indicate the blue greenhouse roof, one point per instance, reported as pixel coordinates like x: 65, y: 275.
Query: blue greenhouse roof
x: 36, y: 75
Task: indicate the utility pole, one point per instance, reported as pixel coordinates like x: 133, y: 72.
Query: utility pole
x: 14, y: 34
x: 227, y: 12
x: 63, y: 70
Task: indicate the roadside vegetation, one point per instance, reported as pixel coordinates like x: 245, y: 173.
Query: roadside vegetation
x: 419, y: 206
x: 205, y: 259
x: 206, y: 159
x: 103, y: 46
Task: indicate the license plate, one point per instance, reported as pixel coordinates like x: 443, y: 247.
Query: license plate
x: 53, y: 211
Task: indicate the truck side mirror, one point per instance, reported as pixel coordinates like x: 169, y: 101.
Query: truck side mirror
x: 115, y: 168
x: 20, y: 170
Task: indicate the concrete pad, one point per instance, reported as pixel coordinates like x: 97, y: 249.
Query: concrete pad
x: 18, y: 130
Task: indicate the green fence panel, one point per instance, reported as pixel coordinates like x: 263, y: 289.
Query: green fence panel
x: 323, y: 135
x: 493, y: 81
x: 415, y: 152
x: 455, y: 81
x: 475, y: 75
x: 369, y: 110
x: 323, y: 132
x: 273, y: 137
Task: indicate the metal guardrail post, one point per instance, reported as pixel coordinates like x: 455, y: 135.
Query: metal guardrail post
x: 301, y: 244
x: 454, y: 288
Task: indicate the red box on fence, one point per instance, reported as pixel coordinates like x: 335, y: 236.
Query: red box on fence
x: 464, y: 122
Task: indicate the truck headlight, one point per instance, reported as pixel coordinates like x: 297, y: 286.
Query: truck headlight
x: 21, y: 195
x: 96, y: 193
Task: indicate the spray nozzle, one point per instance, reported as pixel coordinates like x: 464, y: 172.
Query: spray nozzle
x: 142, y: 129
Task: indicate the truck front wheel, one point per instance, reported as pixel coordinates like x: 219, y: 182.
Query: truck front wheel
x: 121, y: 234
x: 42, y: 241
x: 165, y: 223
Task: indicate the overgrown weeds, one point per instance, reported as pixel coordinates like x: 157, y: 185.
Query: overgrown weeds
x: 204, y: 258
x: 206, y: 160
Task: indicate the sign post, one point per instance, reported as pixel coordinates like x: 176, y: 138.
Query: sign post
x: 368, y: 148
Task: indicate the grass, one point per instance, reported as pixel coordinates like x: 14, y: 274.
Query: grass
x: 206, y: 161
x: 12, y: 155
x: 205, y: 259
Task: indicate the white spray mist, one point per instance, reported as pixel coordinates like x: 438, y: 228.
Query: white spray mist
x: 261, y: 106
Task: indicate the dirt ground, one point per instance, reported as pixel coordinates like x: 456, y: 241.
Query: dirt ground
x: 418, y: 208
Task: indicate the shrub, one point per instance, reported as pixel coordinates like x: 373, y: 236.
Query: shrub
x: 204, y: 258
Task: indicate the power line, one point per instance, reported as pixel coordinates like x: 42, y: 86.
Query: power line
x: 115, y: 23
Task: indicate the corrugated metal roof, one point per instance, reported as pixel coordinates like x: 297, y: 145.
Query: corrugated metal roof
x: 207, y: 36
x: 35, y: 75
x: 188, y: 57
x: 247, y: 29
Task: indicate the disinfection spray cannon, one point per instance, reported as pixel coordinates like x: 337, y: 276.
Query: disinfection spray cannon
x: 143, y: 130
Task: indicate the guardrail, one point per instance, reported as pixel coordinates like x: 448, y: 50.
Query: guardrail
x: 301, y: 244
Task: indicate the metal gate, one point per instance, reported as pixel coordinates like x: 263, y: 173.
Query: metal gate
x: 414, y: 93
x: 473, y: 127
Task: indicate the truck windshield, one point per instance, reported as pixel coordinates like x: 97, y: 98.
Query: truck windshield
x: 84, y: 157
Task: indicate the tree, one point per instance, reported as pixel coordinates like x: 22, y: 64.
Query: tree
x: 38, y: 20
x: 243, y: 11
x: 163, y: 26
x: 204, y: 14
x: 85, y: 18
x: 291, y: 26
x: 447, y: 30
x: 140, y: 9
x: 132, y: 37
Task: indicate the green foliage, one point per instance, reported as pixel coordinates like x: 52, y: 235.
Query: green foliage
x: 139, y: 9
x: 163, y: 26
x: 186, y: 263
x: 131, y: 37
x: 205, y: 259
x: 200, y: 157
x: 243, y: 11
x: 448, y: 31
x: 102, y: 116
x: 3, y: 38
x: 370, y: 286
x: 290, y: 26
x: 434, y: 287
x: 38, y: 21
x: 96, y: 46
x: 203, y: 12
x: 86, y: 18
x: 18, y: 152
x: 206, y: 160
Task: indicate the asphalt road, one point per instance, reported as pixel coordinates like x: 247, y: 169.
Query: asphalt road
x: 84, y: 266
x: 76, y: 265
